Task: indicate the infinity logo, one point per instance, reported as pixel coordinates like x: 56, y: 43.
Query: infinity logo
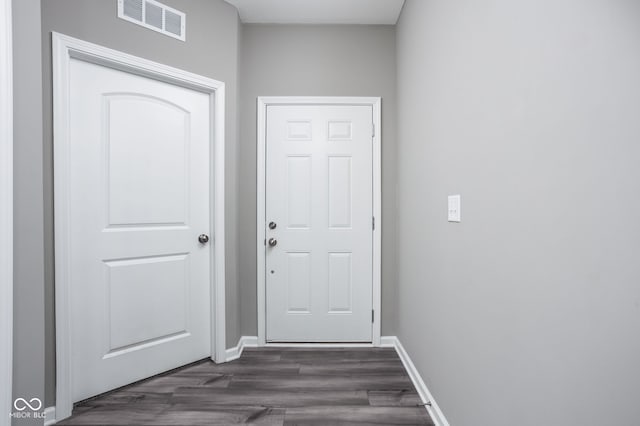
x: 21, y: 404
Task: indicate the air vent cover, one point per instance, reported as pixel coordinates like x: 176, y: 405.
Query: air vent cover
x: 155, y: 16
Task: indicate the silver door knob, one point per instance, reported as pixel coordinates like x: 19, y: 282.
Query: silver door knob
x: 273, y: 242
x: 272, y: 225
x: 203, y: 238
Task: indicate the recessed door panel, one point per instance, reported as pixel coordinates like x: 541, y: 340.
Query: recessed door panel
x: 339, y: 130
x: 134, y: 317
x: 147, y: 152
x: 340, y: 194
x: 298, y: 194
x: 340, y: 289
x: 299, y: 130
x: 298, y: 283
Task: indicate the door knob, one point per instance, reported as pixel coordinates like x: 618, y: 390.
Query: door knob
x: 272, y: 225
x: 273, y: 242
x: 203, y: 238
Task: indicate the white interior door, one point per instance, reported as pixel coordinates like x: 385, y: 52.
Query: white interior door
x: 139, y: 189
x: 319, y: 210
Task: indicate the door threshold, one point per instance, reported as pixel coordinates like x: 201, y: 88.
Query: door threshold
x: 319, y: 344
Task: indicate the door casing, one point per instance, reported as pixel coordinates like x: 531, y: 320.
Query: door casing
x: 262, y: 103
x: 66, y: 48
x: 6, y: 212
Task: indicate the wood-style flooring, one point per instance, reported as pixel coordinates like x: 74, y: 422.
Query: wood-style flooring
x: 268, y: 386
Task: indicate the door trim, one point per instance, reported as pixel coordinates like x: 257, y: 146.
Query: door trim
x: 66, y: 48
x: 262, y: 103
x: 6, y: 211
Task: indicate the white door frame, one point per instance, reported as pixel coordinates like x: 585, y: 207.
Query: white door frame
x: 6, y: 213
x: 64, y: 49
x: 263, y: 103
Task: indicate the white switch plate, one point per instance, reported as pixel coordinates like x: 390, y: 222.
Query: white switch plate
x: 454, y: 208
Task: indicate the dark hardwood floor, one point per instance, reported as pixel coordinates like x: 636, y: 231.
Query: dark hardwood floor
x: 268, y: 386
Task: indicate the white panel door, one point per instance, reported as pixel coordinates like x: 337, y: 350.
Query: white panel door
x: 319, y: 187
x: 139, y: 185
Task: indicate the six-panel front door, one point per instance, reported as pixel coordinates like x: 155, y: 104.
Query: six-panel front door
x: 139, y: 188
x: 319, y: 209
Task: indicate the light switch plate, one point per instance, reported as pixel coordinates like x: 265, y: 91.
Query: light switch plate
x: 454, y: 208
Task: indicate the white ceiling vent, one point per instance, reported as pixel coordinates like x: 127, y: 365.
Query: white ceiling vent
x: 155, y: 16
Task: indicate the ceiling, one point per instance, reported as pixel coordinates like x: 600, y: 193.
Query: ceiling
x: 319, y: 11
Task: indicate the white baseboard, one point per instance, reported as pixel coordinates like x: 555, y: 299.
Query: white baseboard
x: 244, y: 342
x: 49, y: 416
x: 432, y: 407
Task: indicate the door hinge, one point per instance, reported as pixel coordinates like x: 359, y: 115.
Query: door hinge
x: 373, y: 130
x: 373, y: 223
x: 373, y: 313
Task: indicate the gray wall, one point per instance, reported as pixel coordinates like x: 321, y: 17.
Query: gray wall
x: 528, y: 311
x: 211, y: 50
x: 28, y: 308
x: 317, y: 60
